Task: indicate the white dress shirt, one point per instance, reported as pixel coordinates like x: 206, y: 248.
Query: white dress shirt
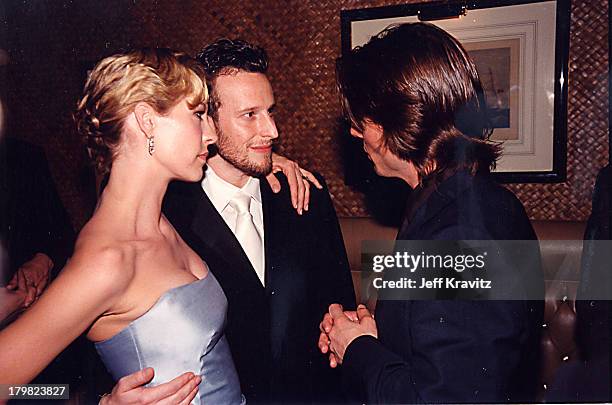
x: 221, y: 192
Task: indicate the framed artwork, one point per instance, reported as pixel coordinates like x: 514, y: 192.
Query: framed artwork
x: 520, y: 49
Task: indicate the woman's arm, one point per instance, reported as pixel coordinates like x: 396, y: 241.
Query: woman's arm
x: 86, y: 289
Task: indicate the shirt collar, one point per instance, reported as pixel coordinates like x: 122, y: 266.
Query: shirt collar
x: 221, y: 192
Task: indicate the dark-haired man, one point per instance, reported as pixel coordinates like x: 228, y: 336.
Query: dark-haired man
x: 278, y: 269
x: 413, y: 96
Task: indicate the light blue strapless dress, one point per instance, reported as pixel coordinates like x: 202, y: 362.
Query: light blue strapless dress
x: 183, y: 331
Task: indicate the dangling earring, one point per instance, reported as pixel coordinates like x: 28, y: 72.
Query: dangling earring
x: 151, y: 143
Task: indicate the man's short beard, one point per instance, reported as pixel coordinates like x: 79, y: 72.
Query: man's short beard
x: 227, y: 151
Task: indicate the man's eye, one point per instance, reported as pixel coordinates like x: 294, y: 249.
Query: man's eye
x: 249, y: 114
x: 200, y: 114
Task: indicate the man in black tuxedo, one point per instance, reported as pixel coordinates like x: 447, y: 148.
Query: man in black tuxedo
x: 413, y: 96
x: 278, y: 269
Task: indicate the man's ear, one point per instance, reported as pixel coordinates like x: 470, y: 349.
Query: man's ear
x: 145, y: 117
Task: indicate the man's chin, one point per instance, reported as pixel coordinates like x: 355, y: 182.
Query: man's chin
x: 260, y: 165
x: 256, y: 169
x: 256, y: 166
x: 263, y: 171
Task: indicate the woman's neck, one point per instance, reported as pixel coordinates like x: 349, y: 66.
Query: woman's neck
x: 133, y: 199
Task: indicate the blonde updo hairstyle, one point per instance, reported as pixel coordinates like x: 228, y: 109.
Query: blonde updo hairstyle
x: 159, y: 77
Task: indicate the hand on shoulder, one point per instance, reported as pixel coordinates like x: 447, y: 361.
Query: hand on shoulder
x: 298, y: 180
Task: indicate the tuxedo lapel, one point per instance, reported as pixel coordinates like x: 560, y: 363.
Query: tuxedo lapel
x: 279, y: 239
x: 207, y: 233
x: 279, y: 306
x: 266, y: 202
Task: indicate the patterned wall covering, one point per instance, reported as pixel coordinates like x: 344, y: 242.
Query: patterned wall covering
x: 49, y: 40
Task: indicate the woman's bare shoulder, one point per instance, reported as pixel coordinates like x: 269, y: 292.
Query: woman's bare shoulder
x: 103, y: 260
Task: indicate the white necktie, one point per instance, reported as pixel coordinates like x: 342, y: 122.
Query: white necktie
x: 246, y: 232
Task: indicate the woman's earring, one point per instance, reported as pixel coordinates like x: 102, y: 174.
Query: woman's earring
x: 151, y: 142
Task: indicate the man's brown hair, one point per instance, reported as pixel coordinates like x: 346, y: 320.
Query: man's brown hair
x: 419, y: 84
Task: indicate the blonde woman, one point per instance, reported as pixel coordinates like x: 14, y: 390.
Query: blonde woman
x: 139, y: 291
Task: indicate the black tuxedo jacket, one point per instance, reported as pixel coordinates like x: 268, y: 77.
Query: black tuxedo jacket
x: 454, y: 351
x: 273, y: 331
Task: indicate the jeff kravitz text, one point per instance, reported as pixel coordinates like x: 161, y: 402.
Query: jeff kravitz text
x: 436, y: 283
x: 413, y: 263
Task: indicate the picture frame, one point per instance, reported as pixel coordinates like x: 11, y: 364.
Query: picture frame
x: 521, y: 50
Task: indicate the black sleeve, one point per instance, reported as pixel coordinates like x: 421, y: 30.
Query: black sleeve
x: 37, y: 220
x: 459, y: 352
